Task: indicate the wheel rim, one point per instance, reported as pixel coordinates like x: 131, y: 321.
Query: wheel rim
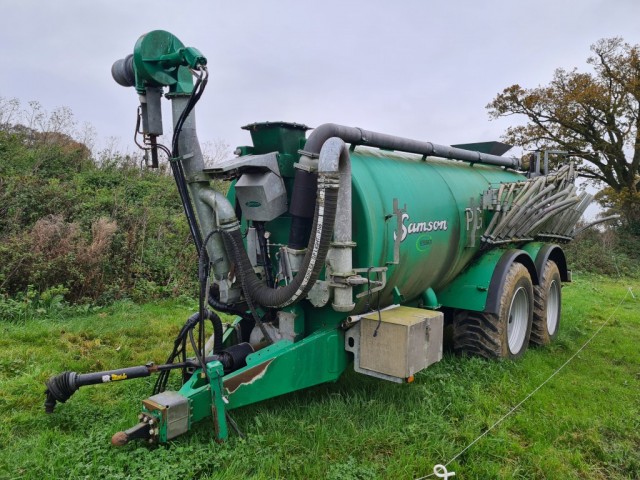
x: 518, y: 320
x: 553, y: 307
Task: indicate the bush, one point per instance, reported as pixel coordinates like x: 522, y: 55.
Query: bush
x: 101, y: 230
x: 613, y: 252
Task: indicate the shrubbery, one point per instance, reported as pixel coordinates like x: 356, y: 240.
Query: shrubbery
x: 613, y: 252
x: 99, y: 229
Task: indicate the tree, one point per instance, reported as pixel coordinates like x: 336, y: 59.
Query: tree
x: 594, y: 115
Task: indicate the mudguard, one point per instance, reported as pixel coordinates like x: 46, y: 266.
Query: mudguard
x: 479, y: 286
x: 548, y: 251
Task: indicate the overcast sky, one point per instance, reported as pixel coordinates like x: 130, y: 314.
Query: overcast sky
x: 421, y: 69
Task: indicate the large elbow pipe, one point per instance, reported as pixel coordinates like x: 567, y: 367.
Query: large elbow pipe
x: 222, y: 212
x: 334, y: 157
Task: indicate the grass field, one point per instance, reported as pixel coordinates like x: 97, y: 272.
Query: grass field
x: 583, y: 424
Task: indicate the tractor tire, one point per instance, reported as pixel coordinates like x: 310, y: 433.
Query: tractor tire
x: 502, y: 336
x: 547, y: 306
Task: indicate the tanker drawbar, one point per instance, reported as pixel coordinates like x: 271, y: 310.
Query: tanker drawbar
x: 335, y: 247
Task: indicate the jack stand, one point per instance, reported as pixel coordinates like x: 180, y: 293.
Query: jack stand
x: 215, y: 372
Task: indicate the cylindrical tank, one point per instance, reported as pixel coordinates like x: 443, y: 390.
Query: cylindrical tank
x: 443, y: 213
x: 442, y: 199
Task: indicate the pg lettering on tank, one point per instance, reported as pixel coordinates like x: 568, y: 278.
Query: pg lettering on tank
x: 411, y: 228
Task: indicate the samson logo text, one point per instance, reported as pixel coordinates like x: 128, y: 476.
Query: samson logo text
x: 409, y: 228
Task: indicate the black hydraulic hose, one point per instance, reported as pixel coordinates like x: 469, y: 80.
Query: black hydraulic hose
x: 186, y: 204
x: 176, y: 164
x: 224, y: 308
x: 246, y: 324
x: 322, y: 232
x: 180, y: 345
x: 217, y: 330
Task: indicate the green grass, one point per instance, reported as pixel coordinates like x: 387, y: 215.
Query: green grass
x: 585, y: 423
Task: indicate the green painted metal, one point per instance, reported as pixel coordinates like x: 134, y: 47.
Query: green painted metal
x: 215, y: 373
x: 532, y: 248
x: 281, y: 368
x: 430, y: 299
x: 282, y: 137
x: 197, y: 390
x: 286, y: 367
x: 440, y: 196
x: 442, y: 192
x: 468, y: 291
x: 205, y: 399
x: 161, y: 60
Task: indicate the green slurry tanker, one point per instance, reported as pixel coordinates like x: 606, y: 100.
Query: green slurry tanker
x: 334, y: 247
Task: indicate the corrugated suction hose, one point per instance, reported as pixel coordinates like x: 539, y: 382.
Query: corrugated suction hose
x: 322, y: 232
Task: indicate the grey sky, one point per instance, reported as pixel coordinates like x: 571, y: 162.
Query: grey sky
x: 422, y: 69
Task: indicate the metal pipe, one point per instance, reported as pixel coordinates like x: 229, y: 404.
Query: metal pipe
x: 558, y: 206
x: 221, y: 212
x: 601, y: 220
x: 351, y: 319
x: 211, y: 207
x: 519, y: 199
x: 531, y: 210
x: 358, y: 136
x: 192, y: 162
x: 334, y: 157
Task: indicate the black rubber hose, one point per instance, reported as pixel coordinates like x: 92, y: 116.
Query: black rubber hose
x: 268, y: 297
x: 246, y: 324
x: 303, y: 203
x: 186, y: 205
x: 180, y: 343
x: 217, y: 330
x: 192, y: 321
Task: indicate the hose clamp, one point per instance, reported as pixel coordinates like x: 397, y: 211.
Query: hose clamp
x: 230, y: 226
x: 329, y: 180
x: 197, y: 177
x: 309, y: 154
x: 363, y: 137
x: 306, y: 168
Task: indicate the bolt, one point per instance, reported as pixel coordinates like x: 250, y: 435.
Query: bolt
x: 140, y: 417
x: 151, y: 421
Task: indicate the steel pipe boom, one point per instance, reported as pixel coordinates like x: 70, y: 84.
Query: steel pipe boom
x: 359, y: 136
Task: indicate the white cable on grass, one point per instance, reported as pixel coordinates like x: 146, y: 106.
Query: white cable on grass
x: 441, y: 470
